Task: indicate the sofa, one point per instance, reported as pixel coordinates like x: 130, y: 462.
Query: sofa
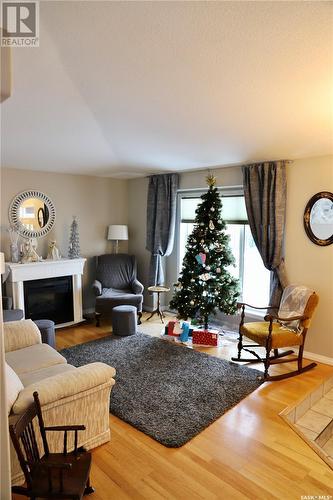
x: 68, y: 395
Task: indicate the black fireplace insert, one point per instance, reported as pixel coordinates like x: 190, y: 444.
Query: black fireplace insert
x: 49, y: 298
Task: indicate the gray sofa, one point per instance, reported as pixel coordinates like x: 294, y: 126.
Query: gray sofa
x: 116, y: 284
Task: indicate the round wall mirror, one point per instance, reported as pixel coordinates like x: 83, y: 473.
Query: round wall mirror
x: 318, y: 218
x: 32, y: 214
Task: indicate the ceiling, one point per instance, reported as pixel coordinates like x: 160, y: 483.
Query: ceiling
x: 123, y: 89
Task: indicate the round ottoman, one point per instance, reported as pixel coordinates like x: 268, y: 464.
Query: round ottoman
x: 124, y: 320
x: 46, y: 328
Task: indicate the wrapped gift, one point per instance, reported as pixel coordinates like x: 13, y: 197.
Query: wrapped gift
x: 173, y: 328
x: 185, y: 331
x: 205, y: 337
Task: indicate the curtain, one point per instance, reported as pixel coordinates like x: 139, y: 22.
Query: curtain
x: 265, y: 189
x: 161, y: 219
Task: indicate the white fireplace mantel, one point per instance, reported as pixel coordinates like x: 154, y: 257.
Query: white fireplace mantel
x: 18, y: 273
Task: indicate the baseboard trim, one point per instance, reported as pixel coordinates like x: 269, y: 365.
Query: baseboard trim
x: 318, y: 357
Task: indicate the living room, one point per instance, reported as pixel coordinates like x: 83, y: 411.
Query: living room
x: 120, y: 93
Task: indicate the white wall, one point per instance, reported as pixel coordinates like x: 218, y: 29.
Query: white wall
x: 96, y: 201
x: 307, y: 263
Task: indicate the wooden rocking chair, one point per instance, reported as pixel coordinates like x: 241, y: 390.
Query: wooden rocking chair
x: 54, y: 475
x: 273, y: 333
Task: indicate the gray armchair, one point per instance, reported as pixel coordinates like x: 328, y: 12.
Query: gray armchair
x: 116, y: 284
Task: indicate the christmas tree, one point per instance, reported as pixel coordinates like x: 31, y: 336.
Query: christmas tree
x: 74, y: 241
x: 205, y: 285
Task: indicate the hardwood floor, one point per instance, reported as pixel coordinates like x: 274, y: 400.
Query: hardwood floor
x: 249, y: 453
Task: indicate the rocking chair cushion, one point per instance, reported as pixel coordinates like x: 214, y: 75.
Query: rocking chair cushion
x: 258, y: 332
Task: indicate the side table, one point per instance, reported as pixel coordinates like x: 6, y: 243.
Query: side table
x: 158, y: 290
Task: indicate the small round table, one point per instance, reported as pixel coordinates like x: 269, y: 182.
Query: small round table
x: 158, y: 290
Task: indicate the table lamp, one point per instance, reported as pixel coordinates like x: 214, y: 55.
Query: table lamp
x: 117, y: 232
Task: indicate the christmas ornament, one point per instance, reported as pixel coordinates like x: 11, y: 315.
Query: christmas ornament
x: 212, y: 209
x: 211, y: 225
x: 205, y: 277
x: 201, y: 258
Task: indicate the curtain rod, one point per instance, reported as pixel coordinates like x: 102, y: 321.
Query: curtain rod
x: 212, y: 169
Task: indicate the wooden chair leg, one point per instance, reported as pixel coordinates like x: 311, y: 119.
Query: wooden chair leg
x: 89, y: 489
x: 300, y: 358
x: 267, y: 361
x: 240, y: 345
x: 98, y: 317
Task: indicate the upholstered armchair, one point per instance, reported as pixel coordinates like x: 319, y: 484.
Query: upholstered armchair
x: 116, y: 284
x: 286, y: 327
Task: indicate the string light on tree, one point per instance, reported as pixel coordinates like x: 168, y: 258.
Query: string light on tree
x: 207, y: 249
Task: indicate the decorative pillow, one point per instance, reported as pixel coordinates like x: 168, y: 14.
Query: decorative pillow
x: 13, y: 385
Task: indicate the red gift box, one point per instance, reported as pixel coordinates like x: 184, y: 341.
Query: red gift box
x: 205, y: 337
x: 171, y: 326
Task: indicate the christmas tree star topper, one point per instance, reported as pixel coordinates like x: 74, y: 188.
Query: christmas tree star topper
x: 211, y: 180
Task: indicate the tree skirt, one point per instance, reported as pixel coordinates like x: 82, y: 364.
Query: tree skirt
x: 167, y: 391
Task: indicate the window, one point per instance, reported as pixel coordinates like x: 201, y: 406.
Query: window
x: 249, y: 269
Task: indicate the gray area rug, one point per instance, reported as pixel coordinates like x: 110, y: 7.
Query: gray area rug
x: 167, y: 391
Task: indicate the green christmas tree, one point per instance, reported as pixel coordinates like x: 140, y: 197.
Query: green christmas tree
x: 205, y: 285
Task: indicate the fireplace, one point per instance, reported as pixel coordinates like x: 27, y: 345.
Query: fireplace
x: 51, y: 289
x: 50, y: 298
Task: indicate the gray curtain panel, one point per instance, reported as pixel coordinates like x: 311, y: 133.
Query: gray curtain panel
x: 265, y: 189
x: 161, y: 219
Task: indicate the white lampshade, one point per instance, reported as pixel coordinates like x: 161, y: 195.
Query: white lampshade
x: 117, y: 232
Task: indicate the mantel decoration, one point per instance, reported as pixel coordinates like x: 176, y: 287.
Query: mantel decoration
x: 53, y: 253
x: 30, y: 252
x: 205, y: 284
x: 14, y: 249
x: 74, y: 240
x: 318, y: 218
x: 32, y: 214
